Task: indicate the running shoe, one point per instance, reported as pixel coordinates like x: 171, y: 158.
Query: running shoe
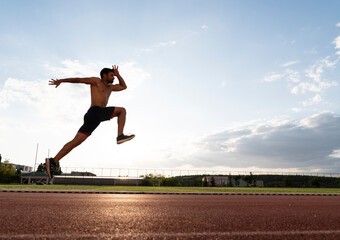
x: 50, y: 167
x: 124, y: 138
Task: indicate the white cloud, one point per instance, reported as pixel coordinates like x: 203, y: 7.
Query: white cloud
x: 312, y: 87
x: 166, y: 44
x: 272, y: 77
x: 158, y: 46
x: 314, y: 73
x: 290, y: 63
x: 329, y: 64
x: 337, y: 44
x: 204, y: 27
x: 338, y: 24
x: 146, y: 50
x: 308, y: 144
x: 335, y: 154
x: 312, y: 51
x: 314, y: 100
x: 71, y: 68
x: 296, y: 109
x: 67, y: 98
x: 292, y: 76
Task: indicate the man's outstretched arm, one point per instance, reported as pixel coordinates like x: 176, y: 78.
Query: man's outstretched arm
x: 56, y: 82
x: 122, y: 85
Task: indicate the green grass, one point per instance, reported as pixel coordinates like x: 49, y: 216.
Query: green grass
x: 170, y: 189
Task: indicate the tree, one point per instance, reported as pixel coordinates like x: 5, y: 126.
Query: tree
x: 197, y: 182
x: 213, y: 183
x: 229, y: 183
x: 0, y: 159
x: 170, y: 182
x: 248, y: 178
x: 287, y: 182
x: 314, y: 182
x: 151, y: 180
x: 337, y: 182
x: 8, y: 173
x: 42, y: 168
x: 237, y: 180
x: 205, y: 182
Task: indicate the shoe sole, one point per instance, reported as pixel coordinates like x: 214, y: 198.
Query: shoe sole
x: 47, y: 162
x: 125, y: 140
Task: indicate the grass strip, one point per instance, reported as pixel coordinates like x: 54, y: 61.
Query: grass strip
x: 168, y: 189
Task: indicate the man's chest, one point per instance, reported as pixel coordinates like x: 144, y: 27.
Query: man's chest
x: 101, y: 90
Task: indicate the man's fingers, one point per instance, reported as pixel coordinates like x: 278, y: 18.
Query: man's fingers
x: 54, y: 82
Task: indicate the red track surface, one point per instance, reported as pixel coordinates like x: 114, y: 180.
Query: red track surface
x: 99, y: 216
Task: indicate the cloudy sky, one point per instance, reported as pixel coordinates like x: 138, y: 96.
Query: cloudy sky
x: 232, y: 85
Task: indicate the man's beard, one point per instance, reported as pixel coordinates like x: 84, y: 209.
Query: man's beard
x: 110, y: 81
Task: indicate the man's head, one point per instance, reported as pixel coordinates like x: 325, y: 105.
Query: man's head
x: 106, y: 74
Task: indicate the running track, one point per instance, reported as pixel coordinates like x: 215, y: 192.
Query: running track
x: 145, y: 216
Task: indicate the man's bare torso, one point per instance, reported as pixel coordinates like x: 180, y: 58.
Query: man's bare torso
x: 100, y: 93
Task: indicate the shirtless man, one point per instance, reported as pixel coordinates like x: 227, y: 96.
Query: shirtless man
x: 101, y: 89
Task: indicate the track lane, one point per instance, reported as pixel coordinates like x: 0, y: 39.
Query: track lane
x: 93, y: 216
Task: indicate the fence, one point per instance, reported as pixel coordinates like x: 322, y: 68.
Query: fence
x: 137, y: 173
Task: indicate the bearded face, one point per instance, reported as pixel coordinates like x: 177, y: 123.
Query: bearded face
x: 110, y: 77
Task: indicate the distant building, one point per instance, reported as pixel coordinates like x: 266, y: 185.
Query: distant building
x: 258, y: 183
x: 219, y: 181
x: 83, y: 174
x: 224, y: 181
x: 22, y: 168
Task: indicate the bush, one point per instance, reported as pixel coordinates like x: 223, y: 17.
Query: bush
x: 314, y: 182
x: 151, y: 180
x: 287, y: 182
x: 197, y: 182
x: 170, y: 182
x: 42, y: 168
x: 8, y: 173
x: 213, y: 183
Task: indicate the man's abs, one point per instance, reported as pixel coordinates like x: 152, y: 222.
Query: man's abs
x: 99, y: 95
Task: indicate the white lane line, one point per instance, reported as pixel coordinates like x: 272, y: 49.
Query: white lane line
x: 165, y: 235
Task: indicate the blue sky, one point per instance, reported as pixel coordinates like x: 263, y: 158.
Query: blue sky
x: 234, y: 85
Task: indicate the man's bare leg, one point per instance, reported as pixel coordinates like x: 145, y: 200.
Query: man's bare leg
x: 121, y: 114
x: 76, y: 141
x: 51, y: 162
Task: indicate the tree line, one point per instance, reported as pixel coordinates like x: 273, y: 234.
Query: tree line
x: 8, y: 174
x: 295, y: 181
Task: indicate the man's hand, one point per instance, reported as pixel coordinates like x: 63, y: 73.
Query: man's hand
x: 121, y: 86
x: 55, y: 82
x: 115, y: 70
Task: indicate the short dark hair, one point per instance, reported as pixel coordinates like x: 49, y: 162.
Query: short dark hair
x: 105, y: 71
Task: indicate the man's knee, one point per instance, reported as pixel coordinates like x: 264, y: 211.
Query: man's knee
x: 79, y: 139
x: 119, y: 111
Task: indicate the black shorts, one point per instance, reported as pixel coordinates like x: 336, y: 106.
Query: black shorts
x: 94, y: 116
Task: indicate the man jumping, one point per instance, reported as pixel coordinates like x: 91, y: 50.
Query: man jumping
x: 101, y: 89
